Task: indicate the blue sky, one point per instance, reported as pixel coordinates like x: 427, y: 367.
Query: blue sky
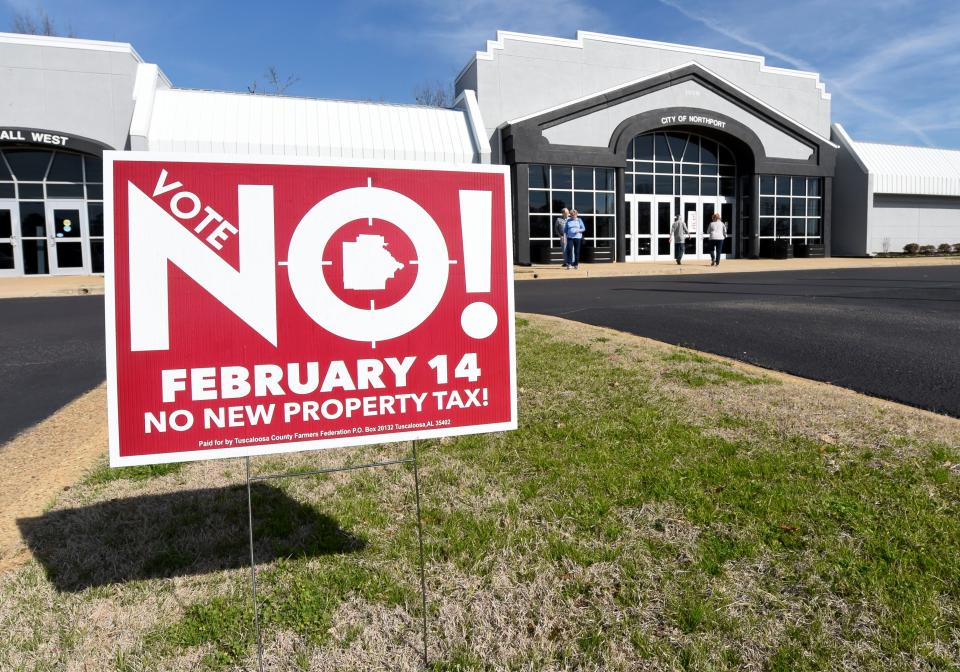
x: 891, y: 65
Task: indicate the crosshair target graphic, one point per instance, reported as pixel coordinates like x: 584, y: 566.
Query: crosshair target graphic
x: 324, y: 307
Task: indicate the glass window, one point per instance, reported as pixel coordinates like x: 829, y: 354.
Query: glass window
x: 28, y: 164
x: 708, y: 151
x: 813, y: 186
x: 538, y: 176
x: 30, y: 190
x: 561, y: 200
x: 538, y: 201
x: 66, y: 168
x: 664, y: 168
x: 692, y: 153
x: 799, y: 227
x: 95, y: 218
x: 766, y: 184
x: 783, y: 186
x: 643, y: 167
x: 690, y: 169
x: 6, y: 224
x: 814, y: 227
x: 7, y: 190
x: 33, y: 221
x: 96, y: 256
x: 766, y: 227
x: 664, y: 185
x: 4, y: 173
x: 783, y: 207
x: 34, y: 257
x: 605, y: 228
x: 606, y: 204
x: 728, y: 186
x: 708, y: 186
x: 583, y: 178
x: 643, y: 147
x: 813, y: 206
x: 562, y: 177
x: 583, y: 202
x: 799, y: 207
x: 799, y: 186
x: 606, y: 179
x: 66, y: 223
x: 783, y: 228
x: 766, y: 206
x: 726, y: 156
x: 64, y: 191
x: 69, y: 255
x: 709, y: 169
x: 661, y: 148
x: 691, y: 186
x: 677, y: 142
x: 95, y: 191
x: 94, y: 168
x: 644, y: 184
x: 540, y: 226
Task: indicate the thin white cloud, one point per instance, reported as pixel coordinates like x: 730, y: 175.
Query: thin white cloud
x: 836, y: 85
x: 460, y: 28
x: 924, y: 43
x: 756, y: 45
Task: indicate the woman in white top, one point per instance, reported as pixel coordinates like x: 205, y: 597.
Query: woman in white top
x: 716, y: 232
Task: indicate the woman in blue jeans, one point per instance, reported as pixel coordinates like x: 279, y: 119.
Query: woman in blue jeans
x: 573, y: 229
x: 716, y: 233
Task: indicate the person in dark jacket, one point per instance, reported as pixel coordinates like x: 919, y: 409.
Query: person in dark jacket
x: 558, y: 226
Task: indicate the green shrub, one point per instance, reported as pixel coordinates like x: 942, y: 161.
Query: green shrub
x: 911, y: 248
x: 927, y: 249
x: 945, y: 248
x: 956, y: 248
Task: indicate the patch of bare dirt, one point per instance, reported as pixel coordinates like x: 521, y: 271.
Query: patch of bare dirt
x: 40, y: 463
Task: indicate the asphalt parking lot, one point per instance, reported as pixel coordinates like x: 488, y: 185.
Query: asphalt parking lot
x: 888, y: 332
x: 891, y: 332
x: 52, y: 353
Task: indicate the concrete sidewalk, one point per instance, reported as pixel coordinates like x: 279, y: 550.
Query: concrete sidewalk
x: 30, y: 286
x: 547, y: 272
x: 66, y: 285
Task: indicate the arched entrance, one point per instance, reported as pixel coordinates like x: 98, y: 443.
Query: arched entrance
x: 51, y: 212
x: 676, y: 172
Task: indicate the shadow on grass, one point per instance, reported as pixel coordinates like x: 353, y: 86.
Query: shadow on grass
x: 177, y: 534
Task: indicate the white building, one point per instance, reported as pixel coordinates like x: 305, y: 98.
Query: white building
x: 630, y: 132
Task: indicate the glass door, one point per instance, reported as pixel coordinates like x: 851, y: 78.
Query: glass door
x: 33, y: 243
x: 638, y: 240
x: 707, y: 208
x: 727, y: 215
x: 723, y: 205
x: 663, y: 212
x: 693, y: 246
x: 10, y: 260
x: 67, y: 232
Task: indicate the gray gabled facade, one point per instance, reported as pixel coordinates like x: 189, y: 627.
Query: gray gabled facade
x: 763, y: 159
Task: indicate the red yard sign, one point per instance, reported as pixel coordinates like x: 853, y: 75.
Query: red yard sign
x: 260, y: 305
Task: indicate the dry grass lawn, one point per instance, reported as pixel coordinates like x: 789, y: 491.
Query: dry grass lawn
x: 658, y: 510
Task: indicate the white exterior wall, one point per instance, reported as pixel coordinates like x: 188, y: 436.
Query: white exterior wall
x: 76, y: 87
x: 594, y: 130
x: 520, y: 75
x: 896, y: 221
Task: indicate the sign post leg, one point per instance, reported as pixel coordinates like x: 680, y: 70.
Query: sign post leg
x: 253, y: 572
x: 423, y: 580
